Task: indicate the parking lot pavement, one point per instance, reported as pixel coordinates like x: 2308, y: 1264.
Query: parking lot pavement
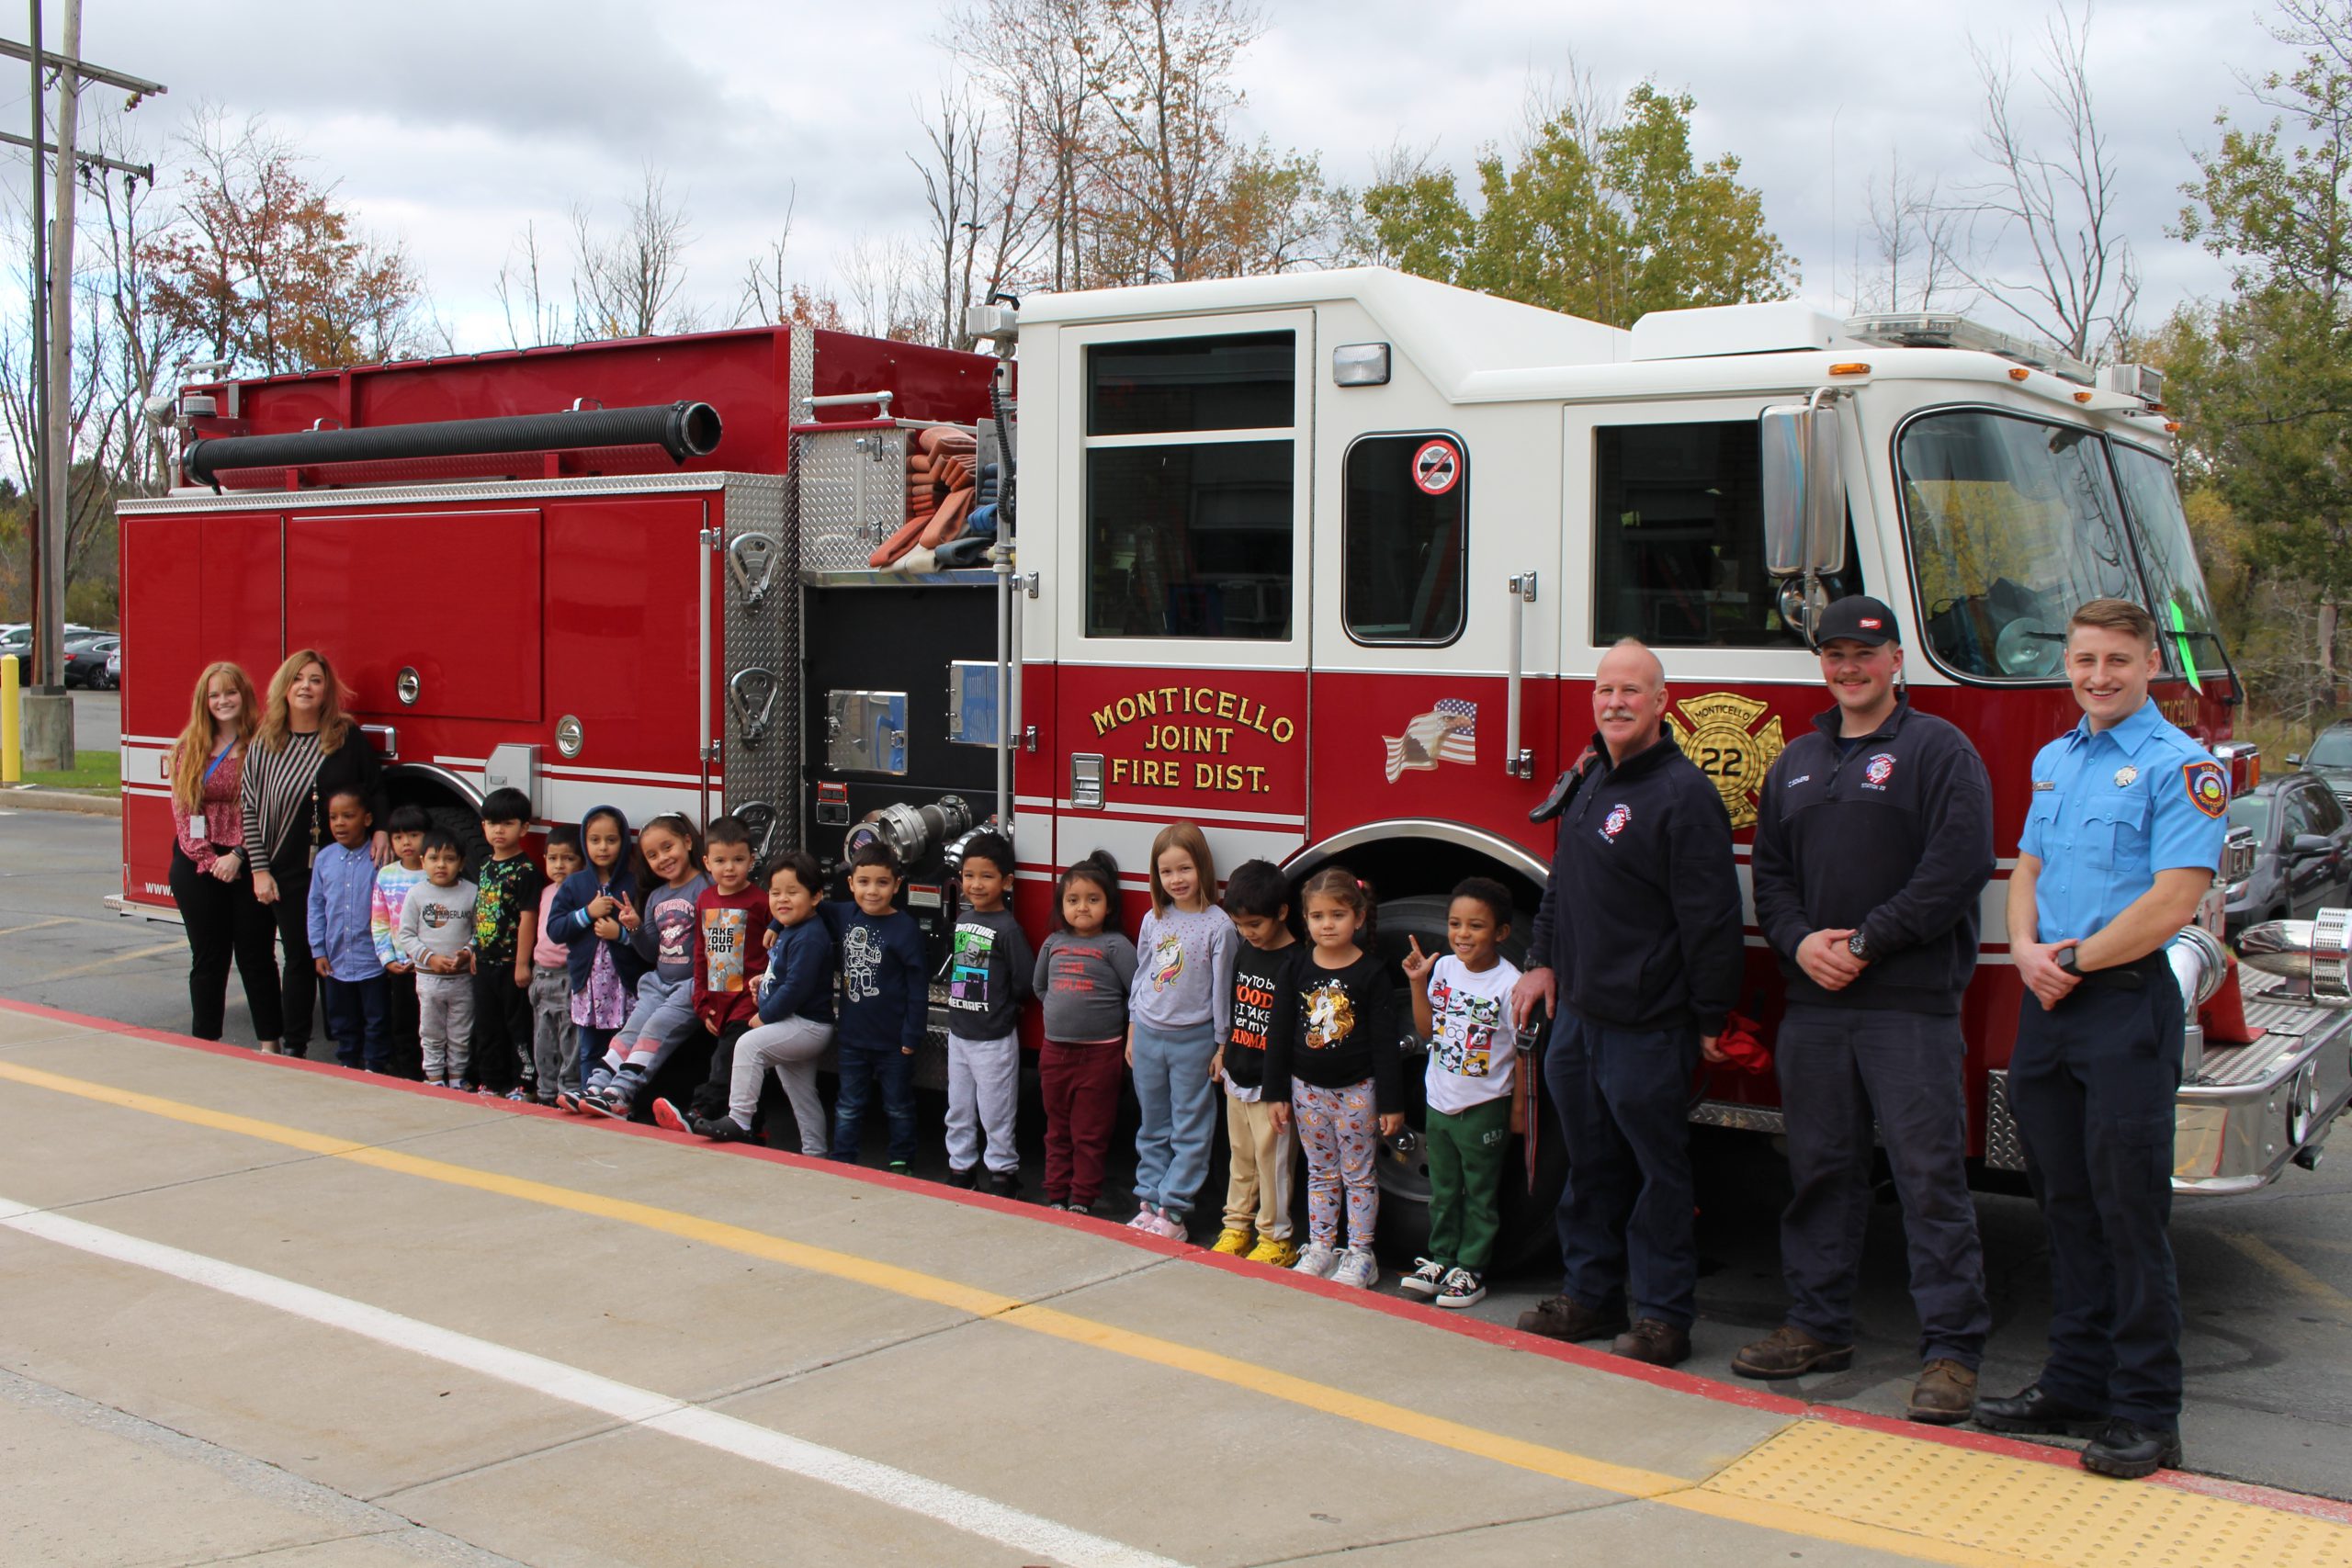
x: 97, y: 721
x: 2267, y: 1279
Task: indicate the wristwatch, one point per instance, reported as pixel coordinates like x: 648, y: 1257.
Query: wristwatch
x: 1860, y: 946
x: 2066, y: 961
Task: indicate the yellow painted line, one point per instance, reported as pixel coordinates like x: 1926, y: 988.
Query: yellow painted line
x: 2289, y: 1272
x: 93, y: 967
x: 36, y: 925
x: 1935, y: 1522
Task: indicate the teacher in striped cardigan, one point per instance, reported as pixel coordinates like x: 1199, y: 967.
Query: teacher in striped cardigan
x: 306, y: 750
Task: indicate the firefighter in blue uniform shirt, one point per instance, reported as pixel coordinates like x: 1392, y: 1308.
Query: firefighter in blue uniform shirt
x: 2122, y: 840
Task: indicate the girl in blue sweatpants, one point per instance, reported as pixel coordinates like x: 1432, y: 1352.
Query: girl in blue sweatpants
x: 1177, y: 1012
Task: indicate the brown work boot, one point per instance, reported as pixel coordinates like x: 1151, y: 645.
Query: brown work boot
x: 1945, y: 1394
x: 1565, y: 1317
x: 1788, y: 1352
x: 1659, y: 1344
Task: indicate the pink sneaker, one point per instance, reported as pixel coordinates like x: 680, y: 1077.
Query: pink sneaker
x: 1167, y: 1224
x: 1145, y: 1220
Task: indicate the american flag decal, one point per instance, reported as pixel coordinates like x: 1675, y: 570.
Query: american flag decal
x: 1447, y: 733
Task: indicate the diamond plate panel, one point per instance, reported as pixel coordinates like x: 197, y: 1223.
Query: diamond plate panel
x: 853, y: 494
x: 2003, y: 1145
x: 762, y: 738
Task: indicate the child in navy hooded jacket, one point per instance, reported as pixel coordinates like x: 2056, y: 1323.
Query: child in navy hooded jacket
x: 604, y: 965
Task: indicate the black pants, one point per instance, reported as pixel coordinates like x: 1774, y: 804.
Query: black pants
x: 298, y: 983
x: 717, y: 1087
x: 406, y: 1059
x: 1623, y: 1098
x: 223, y: 920
x: 2093, y: 1083
x: 1839, y: 1068
x: 501, y: 1055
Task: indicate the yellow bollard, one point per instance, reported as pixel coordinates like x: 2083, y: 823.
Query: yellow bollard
x: 12, y: 761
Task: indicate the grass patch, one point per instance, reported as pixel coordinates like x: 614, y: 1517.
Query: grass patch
x: 92, y: 772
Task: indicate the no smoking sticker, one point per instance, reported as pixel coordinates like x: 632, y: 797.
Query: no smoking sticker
x: 1437, y: 467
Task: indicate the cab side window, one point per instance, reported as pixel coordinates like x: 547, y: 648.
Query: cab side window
x: 1407, y: 506
x: 1678, y: 539
x: 1189, y: 504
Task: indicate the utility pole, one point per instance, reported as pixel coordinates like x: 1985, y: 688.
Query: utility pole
x: 48, y: 711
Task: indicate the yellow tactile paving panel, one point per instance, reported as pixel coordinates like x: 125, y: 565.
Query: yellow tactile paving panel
x: 2014, y: 1509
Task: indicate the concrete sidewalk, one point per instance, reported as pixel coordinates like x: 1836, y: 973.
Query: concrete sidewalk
x: 257, y: 1305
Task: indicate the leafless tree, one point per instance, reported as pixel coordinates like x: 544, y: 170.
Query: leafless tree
x: 888, y: 280
x: 627, y: 284
x: 1905, y: 248
x: 533, y: 316
x: 2044, y: 235
x: 767, y: 292
x: 1036, y: 59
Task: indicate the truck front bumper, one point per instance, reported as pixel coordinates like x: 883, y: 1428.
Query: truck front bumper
x: 2247, y: 1111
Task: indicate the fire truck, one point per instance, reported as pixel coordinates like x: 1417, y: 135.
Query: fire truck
x: 1323, y: 562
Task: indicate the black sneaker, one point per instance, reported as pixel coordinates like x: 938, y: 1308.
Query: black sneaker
x: 1427, y: 1278
x: 1004, y: 1183
x: 967, y: 1180
x: 1461, y: 1288
x: 722, y: 1130
x: 901, y: 1168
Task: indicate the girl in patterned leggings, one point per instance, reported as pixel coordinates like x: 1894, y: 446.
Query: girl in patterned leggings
x: 1333, y: 1057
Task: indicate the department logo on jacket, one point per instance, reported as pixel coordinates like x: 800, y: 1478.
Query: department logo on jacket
x: 1614, y: 823
x: 1880, y: 768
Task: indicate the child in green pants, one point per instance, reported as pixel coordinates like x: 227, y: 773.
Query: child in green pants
x: 1461, y: 1007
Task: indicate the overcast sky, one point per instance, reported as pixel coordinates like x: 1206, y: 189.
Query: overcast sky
x: 450, y: 125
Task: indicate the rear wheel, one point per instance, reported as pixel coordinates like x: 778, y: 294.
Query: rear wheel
x: 448, y: 811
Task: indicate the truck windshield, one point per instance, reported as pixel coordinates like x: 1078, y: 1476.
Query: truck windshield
x: 2184, y: 611
x: 2014, y: 522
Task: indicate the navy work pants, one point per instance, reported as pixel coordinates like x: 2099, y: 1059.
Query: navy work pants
x: 1839, y: 1069
x: 359, y: 1016
x: 2093, y: 1083
x: 1624, y: 1100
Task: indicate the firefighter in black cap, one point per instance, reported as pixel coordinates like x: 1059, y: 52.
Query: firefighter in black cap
x: 1873, y: 844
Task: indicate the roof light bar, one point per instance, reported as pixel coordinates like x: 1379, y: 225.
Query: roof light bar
x: 1922, y: 329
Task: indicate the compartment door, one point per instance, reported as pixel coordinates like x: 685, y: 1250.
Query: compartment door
x: 1184, y: 502
x: 466, y: 619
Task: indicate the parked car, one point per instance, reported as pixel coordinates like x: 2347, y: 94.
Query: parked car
x: 2330, y: 758
x: 114, y: 670
x: 2303, y: 858
x: 86, y: 660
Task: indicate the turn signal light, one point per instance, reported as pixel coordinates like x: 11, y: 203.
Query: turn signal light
x: 2082, y: 397
x: 2172, y: 427
x: 2018, y: 373
x: 1851, y: 367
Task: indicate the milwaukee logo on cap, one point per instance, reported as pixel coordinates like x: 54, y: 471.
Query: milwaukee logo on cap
x: 1869, y: 622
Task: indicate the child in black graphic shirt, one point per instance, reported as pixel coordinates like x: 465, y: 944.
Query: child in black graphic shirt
x: 1333, y: 1056
x: 1257, y: 1186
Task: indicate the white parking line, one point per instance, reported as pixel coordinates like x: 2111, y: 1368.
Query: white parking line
x: 934, y: 1500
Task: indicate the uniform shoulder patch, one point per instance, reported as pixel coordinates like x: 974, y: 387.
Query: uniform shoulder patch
x: 2209, y: 788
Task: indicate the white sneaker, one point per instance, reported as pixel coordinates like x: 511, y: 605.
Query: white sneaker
x: 1316, y: 1261
x: 1358, y: 1270
x: 1427, y: 1276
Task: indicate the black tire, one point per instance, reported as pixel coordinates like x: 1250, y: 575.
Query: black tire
x: 1529, y: 1236
x: 466, y: 828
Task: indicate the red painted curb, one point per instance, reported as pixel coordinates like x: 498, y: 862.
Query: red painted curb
x: 2250, y: 1493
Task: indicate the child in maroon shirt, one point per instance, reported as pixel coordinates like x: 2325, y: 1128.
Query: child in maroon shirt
x: 730, y: 943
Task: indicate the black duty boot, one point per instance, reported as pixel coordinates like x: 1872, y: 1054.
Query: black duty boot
x: 2129, y: 1450
x: 2041, y: 1415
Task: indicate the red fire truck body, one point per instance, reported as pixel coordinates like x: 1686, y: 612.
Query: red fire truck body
x: 1322, y: 562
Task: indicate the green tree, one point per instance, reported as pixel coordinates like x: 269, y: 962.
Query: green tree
x: 2263, y: 379
x: 1601, y: 217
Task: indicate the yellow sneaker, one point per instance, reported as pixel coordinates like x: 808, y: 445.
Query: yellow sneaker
x: 1231, y: 1242
x: 1274, y: 1249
